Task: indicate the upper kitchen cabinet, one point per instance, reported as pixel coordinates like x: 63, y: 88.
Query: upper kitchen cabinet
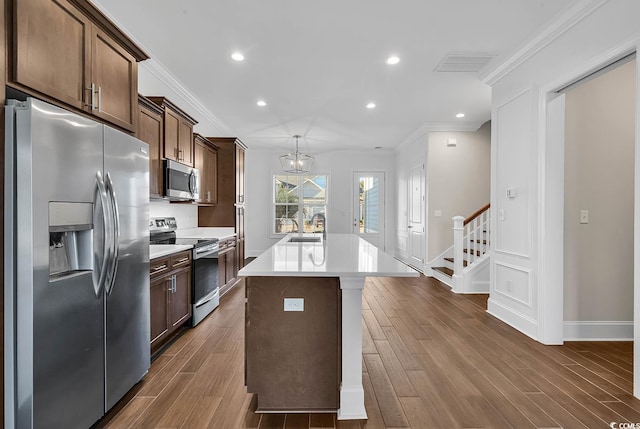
x: 67, y: 51
x: 206, y: 161
x: 178, y: 132
x: 229, y: 211
x: 151, y: 131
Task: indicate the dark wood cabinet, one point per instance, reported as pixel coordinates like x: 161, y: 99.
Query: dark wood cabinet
x: 227, y: 265
x: 170, y: 297
x: 229, y: 211
x: 67, y: 51
x: 178, y: 132
x: 114, y: 73
x: 150, y: 130
x: 206, y: 161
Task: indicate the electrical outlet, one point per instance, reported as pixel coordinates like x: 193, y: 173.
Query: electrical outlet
x: 584, y: 216
x: 437, y: 213
x: 294, y: 304
x: 509, y: 286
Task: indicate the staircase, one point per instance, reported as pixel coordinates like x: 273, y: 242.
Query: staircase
x: 465, y: 266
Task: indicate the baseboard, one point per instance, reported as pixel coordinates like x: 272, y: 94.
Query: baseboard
x: 598, y: 330
x: 516, y: 320
x: 478, y: 287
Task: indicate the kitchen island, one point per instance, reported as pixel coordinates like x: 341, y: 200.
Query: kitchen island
x: 304, y: 322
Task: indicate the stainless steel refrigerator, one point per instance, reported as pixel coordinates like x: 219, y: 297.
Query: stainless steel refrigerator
x: 76, y: 266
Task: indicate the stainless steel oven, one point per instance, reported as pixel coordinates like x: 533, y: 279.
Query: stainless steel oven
x: 206, y: 292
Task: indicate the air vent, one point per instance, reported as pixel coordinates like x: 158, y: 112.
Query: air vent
x: 464, y: 62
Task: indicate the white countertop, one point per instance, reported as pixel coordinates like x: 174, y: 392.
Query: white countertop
x: 206, y: 232
x: 339, y: 255
x: 160, y: 250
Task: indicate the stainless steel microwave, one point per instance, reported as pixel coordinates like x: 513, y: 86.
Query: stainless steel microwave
x: 181, y: 182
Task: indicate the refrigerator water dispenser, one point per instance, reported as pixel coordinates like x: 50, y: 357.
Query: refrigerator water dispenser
x: 70, y: 239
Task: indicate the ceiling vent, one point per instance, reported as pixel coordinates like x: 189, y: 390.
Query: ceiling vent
x: 464, y: 62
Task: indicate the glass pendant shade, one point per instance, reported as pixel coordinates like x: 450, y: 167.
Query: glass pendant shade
x: 296, y: 162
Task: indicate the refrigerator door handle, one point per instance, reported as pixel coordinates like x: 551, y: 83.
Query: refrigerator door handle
x: 105, y: 247
x: 116, y: 234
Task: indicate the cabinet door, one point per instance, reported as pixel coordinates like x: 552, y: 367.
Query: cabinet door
x: 222, y: 270
x: 159, y: 308
x: 185, y: 142
x: 180, y: 299
x: 239, y: 175
x: 150, y: 130
x: 199, y: 159
x: 171, y: 127
x: 211, y: 166
x: 114, y: 71
x: 231, y: 266
x: 52, y: 48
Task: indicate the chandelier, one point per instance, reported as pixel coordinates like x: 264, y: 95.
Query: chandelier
x: 296, y: 162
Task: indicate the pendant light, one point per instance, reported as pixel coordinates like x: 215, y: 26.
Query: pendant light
x: 296, y: 162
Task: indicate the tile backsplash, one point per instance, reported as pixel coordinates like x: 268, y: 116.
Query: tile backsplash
x: 186, y: 214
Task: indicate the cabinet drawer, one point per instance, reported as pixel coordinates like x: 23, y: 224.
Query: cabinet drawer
x: 179, y: 260
x: 159, y: 266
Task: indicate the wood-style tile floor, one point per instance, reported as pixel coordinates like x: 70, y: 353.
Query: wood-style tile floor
x: 432, y: 359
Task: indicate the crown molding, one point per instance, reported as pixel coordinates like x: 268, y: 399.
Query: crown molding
x: 157, y: 69
x: 563, y: 23
x: 429, y: 127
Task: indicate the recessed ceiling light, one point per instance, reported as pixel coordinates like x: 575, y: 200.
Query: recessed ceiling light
x: 460, y: 115
x: 371, y: 105
x: 392, y: 60
x: 237, y: 56
x: 261, y: 103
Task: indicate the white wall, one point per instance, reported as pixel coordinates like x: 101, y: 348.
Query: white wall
x: 458, y: 178
x: 599, y: 165
x: 340, y: 165
x: 587, y: 36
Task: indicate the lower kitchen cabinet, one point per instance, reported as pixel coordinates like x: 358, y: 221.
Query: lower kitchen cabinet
x: 227, y: 265
x: 170, y: 297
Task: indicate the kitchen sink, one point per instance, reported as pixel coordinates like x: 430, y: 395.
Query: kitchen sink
x: 305, y: 239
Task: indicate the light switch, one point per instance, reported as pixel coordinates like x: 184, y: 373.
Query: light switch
x: 294, y: 304
x: 437, y: 213
x: 500, y: 214
x: 511, y: 192
x: 584, y: 216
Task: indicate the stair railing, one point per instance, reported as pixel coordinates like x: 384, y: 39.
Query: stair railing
x: 470, y: 235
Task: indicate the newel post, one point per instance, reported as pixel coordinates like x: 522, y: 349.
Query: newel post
x: 458, y: 245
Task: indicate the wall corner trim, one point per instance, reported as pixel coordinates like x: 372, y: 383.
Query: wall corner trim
x: 562, y: 23
x: 598, y: 330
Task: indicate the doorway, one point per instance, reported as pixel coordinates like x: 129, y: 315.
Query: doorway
x: 369, y: 206
x: 561, y: 214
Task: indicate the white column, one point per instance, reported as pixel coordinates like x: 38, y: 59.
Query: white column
x: 458, y: 244
x: 351, y: 390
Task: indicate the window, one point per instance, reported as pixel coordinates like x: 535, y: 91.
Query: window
x: 299, y: 203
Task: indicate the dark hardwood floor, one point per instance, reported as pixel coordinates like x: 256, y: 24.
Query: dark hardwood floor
x: 432, y: 359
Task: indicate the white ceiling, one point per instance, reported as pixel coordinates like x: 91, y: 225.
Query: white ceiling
x: 318, y: 63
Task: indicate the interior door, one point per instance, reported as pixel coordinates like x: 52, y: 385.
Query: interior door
x: 416, y: 216
x: 368, y: 208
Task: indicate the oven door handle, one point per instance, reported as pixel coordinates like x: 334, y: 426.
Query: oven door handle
x: 207, y: 254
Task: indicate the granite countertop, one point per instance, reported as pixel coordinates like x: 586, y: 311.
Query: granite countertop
x: 220, y: 233
x: 338, y: 255
x: 160, y: 250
